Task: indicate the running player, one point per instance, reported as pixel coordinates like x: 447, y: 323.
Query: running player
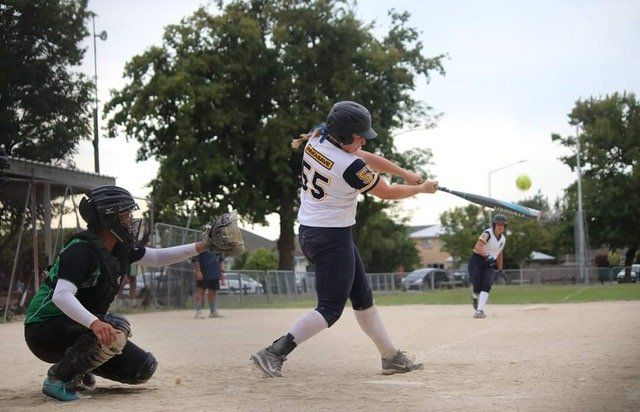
x: 335, y: 170
x: 67, y: 322
x: 487, y: 254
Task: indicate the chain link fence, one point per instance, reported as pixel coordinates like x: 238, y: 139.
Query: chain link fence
x: 173, y: 286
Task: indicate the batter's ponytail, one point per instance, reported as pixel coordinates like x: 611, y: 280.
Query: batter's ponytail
x: 296, y: 143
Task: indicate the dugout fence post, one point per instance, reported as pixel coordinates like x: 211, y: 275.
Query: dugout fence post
x: 267, y: 285
x: 295, y: 285
x: 521, y: 277
x: 433, y: 281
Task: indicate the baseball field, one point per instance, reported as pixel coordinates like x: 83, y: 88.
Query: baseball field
x: 569, y: 355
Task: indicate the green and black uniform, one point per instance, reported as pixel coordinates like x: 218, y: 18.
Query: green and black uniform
x: 97, y: 274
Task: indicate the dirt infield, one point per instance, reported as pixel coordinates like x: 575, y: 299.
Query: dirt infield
x: 540, y: 357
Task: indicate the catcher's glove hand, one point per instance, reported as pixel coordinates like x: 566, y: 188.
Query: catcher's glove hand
x: 223, y: 236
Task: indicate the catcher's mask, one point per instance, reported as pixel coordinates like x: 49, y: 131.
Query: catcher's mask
x: 111, y: 208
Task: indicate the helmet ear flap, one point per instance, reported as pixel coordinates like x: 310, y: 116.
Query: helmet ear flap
x: 89, y: 213
x: 332, y: 126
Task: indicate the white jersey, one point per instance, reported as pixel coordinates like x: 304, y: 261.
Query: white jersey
x: 332, y: 179
x: 492, y: 245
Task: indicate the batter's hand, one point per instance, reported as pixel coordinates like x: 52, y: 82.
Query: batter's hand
x: 412, y: 178
x: 105, y: 333
x: 429, y: 186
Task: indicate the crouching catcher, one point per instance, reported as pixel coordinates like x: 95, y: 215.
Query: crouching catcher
x: 68, y: 322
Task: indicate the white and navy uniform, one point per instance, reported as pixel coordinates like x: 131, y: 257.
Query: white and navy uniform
x: 480, y: 271
x: 332, y: 180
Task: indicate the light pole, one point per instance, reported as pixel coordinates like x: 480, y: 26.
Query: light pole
x: 498, y: 169
x: 96, y: 152
x: 582, y: 250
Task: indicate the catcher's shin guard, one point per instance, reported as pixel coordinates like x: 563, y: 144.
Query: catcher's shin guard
x: 134, y: 366
x: 86, y: 355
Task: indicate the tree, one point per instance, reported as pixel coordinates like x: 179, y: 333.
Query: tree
x: 43, y: 106
x: 219, y: 102
x: 261, y: 259
x: 610, y: 154
x: 384, y: 244
x: 525, y: 235
x: 461, y: 228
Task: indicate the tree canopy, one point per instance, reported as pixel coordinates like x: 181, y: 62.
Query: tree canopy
x: 610, y: 154
x: 220, y: 100
x: 44, y: 107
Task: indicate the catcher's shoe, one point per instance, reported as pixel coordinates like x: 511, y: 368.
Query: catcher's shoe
x: 479, y: 314
x: 59, y: 390
x: 270, y: 363
x: 86, y: 382
x: 474, y: 303
x: 399, y: 363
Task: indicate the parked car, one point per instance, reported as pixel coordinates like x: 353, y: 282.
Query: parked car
x: 235, y: 282
x: 420, y: 279
x: 633, y: 276
x: 461, y: 276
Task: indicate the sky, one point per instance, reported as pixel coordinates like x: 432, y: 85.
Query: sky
x: 514, y: 70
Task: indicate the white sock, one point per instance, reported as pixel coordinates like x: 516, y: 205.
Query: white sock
x: 371, y: 323
x: 482, y: 301
x: 474, y: 295
x: 308, y: 325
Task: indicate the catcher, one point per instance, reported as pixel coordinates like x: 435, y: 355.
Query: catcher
x: 68, y: 321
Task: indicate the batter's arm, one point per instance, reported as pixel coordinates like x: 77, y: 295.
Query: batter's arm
x: 385, y: 191
x: 380, y: 164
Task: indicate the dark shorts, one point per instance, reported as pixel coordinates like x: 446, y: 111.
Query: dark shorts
x: 340, y: 273
x: 211, y: 284
x: 481, y: 274
x: 50, y: 339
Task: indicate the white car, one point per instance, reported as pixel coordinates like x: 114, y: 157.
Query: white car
x: 234, y: 282
x: 635, y: 272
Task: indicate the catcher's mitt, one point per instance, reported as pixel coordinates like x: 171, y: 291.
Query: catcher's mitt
x: 223, y: 235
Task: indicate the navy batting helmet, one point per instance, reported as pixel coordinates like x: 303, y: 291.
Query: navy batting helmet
x: 347, y: 118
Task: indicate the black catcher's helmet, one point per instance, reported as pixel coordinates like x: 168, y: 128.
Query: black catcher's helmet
x: 107, y: 207
x: 499, y: 218
x: 348, y: 118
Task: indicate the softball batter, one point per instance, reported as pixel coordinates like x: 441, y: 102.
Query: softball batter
x: 334, y: 172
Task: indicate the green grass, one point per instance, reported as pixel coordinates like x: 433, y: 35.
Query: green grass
x: 499, y: 295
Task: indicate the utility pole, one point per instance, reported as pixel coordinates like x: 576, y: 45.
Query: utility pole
x: 96, y: 150
x: 581, y: 232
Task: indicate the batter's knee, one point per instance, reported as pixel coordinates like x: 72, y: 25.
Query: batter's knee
x: 363, y: 304
x: 331, y: 315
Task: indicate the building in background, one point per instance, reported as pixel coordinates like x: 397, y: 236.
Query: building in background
x: 429, y: 245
